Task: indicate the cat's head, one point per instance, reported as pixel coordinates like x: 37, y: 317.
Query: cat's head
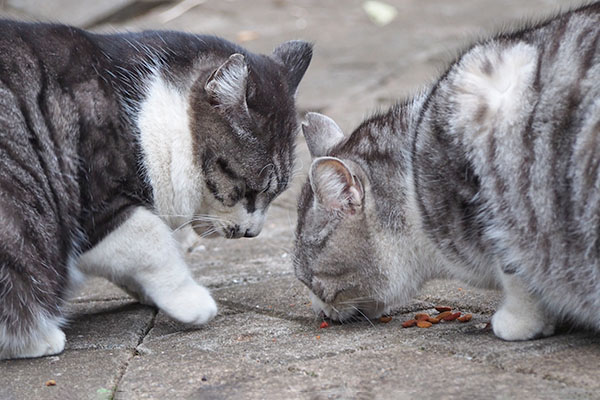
x: 352, y: 254
x: 245, y: 123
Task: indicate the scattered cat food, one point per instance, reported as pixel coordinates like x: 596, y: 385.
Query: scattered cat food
x: 51, y: 382
x: 451, y: 317
x: 465, y: 318
x: 421, y: 317
x: 423, y: 320
x: 424, y: 324
x: 444, y: 314
x: 409, y: 323
x: 385, y: 319
x: 324, y: 325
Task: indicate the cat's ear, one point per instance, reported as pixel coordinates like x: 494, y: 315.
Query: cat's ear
x: 226, y: 86
x: 295, y: 55
x: 321, y: 134
x: 335, y: 187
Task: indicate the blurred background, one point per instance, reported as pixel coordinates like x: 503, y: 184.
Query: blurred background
x: 367, y: 53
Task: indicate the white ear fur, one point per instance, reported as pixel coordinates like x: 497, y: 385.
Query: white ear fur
x: 334, y: 185
x: 321, y: 134
x: 226, y: 86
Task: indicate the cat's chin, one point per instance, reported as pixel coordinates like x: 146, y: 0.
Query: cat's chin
x: 365, y: 310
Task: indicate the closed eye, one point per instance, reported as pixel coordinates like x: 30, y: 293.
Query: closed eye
x: 224, y: 167
x: 268, y: 185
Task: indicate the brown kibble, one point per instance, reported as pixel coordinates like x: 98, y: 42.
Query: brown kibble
x: 444, y: 314
x: 385, y: 319
x: 424, y: 324
x: 443, y: 308
x: 465, y: 318
x: 433, y: 320
x: 421, y: 317
x: 451, y: 317
x: 51, y: 382
x: 409, y: 323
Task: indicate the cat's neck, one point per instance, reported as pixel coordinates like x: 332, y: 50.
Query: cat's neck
x: 396, y: 142
x: 166, y: 142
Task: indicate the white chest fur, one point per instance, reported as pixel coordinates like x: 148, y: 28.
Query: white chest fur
x: 167, y: 147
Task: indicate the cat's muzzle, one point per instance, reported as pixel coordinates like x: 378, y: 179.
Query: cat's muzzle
x: 347, y: 309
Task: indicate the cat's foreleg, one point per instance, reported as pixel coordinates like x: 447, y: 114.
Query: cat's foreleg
x: 143, y: 256
x: 521, y: 316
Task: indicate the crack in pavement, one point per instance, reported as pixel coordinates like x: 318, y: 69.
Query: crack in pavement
x: 134, y: 352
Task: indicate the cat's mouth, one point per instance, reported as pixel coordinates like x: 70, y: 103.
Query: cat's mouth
x: 347, y: 310
x: 213, y: 231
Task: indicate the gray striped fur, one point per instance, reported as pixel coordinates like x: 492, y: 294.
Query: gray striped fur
x: 101, y: 134
x: 490, y: 176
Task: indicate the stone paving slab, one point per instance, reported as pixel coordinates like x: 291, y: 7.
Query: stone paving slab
x: 108, y: 324
x: 253, y: 355
x: 79, y: 375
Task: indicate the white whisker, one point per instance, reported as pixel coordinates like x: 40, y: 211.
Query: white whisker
x: 361, y: 313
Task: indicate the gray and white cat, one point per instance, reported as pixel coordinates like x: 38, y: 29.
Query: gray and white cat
x: 491, y: 176
x: 110, y: 143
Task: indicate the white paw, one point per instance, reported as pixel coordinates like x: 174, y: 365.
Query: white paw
x: 191, y: 305
x: 509, y: 325
x: 51, y: 342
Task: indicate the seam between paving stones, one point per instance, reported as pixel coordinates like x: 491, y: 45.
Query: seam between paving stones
x: 242, y: 308
x: 134, y: 352
x: 84, y: 301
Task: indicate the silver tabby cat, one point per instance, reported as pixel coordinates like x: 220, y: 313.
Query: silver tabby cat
x: 491, y: 176
x: 111, y: 143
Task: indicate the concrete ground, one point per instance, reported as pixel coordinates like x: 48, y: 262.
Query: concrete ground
x: 266, y: 343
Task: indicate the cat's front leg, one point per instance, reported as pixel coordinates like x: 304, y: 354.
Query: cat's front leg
x: 521, y: 316
x: 143, y: 256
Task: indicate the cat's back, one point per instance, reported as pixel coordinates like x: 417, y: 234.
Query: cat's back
x: 526, y: 110
x: 29, y: 49
x: 50, y: 94
x: 515, y: 141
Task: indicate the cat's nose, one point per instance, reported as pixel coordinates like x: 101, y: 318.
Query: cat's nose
x: 251, y: 233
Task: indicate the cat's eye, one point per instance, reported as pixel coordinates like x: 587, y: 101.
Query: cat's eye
x: 224, y: 167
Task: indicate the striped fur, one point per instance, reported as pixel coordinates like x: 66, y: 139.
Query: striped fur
x: 490, y: 176
x: 110, y: 143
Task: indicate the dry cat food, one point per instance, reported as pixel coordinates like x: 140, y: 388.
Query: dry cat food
x: 423, y: 320
x: 51, y: 382
x: 424, y: 324
x: 451, y: 317
x: 465, y: 318
x: 385, y: 319
x: 409, y: 323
